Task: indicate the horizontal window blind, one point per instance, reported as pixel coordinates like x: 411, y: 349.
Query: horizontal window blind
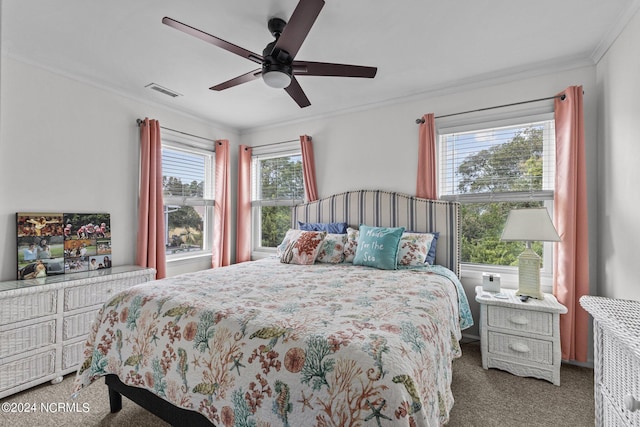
x: 187, y: 176
x: 277, y: 180
x: 504, y: 163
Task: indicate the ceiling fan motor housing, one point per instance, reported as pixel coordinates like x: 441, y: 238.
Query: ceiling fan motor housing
x: 274, y: 59
x: 278, y: 57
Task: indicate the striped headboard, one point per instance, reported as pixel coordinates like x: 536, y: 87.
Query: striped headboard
x: 390, y: 209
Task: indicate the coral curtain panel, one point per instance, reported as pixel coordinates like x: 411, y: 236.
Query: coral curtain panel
x: 308, y: 169
x: 426, y: 185
x: 222, y: 207
x: 571, y: 254
x: 243, y: 220
x: 151, y: 239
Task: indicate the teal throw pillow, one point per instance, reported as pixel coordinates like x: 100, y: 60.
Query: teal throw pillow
x: 378, y: 247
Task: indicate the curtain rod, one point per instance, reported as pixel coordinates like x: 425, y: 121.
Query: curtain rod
x: 276, y: 143
x: 562, y: 97
x: 140, y: 121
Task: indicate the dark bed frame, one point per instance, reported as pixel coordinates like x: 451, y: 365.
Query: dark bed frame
x: 377, y: 208
x: 174, y: 415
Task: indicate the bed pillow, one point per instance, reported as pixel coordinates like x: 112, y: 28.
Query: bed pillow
x: 378, y: 247
x: 332, y: 248
x: 329, y: 227
x: 431, y: 256
x: 291, y: 234
x: 414, y: 248
x: 351, y: 245
x: 303, y: 249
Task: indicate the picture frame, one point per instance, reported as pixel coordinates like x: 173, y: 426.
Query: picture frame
x: 56, y: 243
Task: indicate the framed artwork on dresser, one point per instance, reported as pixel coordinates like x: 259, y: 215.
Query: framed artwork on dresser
x: 51, y: 243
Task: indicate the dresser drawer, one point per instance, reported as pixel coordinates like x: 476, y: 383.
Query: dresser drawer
x: 97, y: 293
x: 620, y: 377
x: 28, y: 306
x: 25, y: 338
x: 536, y: 322
x: 610, y: 416
x: 27, y: 369
x: 77, y: 325
x: 72, y: 354
x: 526, y: 349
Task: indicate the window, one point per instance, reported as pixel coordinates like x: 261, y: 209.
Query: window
x: 187, y: 184
x: 277, y: 186
x: 491, y: 170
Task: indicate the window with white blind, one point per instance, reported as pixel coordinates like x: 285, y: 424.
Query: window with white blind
x: 491, y: 170
x: 277, y: 185
x: 188, y: 193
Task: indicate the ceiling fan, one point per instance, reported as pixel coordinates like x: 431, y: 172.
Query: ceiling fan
x: 278, y: 65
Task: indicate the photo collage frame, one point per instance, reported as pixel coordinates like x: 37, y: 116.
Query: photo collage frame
x: 62, y: 243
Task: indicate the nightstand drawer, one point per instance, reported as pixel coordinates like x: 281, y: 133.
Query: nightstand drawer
x: 521, y: 320
x: 513, y: 346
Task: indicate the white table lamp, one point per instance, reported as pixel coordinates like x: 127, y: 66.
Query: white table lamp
x: 528, y: 225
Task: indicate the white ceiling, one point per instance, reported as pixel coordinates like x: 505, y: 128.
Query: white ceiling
x: 419, y: 46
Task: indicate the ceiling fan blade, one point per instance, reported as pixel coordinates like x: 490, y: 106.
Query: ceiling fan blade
x: 307, y: 68
x: 251, y: 75
x: 295, y: 91
x: 299, y: 25
x: 213, y: 40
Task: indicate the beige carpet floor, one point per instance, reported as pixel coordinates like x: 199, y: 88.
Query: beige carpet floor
x: 488, y: 398
x: 484, y: 398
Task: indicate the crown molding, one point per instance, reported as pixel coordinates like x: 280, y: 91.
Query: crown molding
x: 621, y: 22
x: 451, y: 87
x: 120, y: 92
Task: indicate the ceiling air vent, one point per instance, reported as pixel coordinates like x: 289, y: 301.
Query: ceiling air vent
x: 163, y: 90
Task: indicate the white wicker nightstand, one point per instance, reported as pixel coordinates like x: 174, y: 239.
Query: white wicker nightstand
x: 616, y: 330
x: 521, y: 337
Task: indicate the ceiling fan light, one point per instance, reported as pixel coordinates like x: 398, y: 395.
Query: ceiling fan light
x: 276, y: 79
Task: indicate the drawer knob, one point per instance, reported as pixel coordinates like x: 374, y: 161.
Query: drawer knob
x: 631, y: 403
x: 519, y: 320
x: 519, y: 347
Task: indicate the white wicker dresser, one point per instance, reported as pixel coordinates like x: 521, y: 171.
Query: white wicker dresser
x: 518, y: 337
x: 616, y: 340
x: 44, y: 322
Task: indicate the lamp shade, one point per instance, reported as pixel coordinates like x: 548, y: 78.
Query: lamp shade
x: 532, y: 224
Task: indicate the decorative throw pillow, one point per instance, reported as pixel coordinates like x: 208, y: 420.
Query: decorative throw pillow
x: 332, y: 249
x: 329, y: 227
x: 431, y: 256
x: 413, y: 248
x: 351, y: 245
x: 378, y: 247
x: 292, y: 234
x: 304, y: 249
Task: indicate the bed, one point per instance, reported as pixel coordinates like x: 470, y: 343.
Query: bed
x: 265, y: 343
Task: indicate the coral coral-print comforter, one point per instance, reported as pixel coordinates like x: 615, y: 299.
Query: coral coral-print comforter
x: 270, y: 344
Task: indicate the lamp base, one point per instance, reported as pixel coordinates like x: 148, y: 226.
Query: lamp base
x: 529, y: 274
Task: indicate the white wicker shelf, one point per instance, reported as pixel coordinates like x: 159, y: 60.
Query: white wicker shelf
x: 43, y: 322
x: 616, y: 325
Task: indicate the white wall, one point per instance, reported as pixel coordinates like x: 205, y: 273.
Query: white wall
x: 377, y: 148
x: 69, y: 146
x: 619, y: 154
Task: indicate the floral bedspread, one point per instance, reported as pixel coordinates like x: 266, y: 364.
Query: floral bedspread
x: 270, y: 344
